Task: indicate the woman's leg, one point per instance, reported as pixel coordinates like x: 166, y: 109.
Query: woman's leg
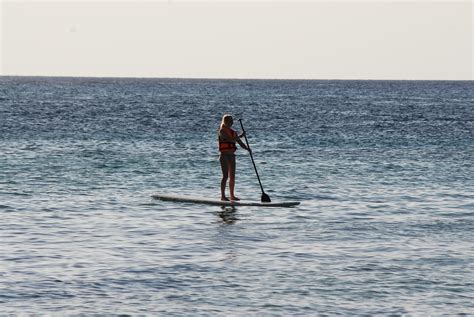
x: 225, y: 172
x: 232, y: 177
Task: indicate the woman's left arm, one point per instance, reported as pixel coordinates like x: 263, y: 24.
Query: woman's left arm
x: 242, y: 144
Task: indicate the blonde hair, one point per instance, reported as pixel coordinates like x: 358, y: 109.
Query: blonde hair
x: 226, y: 120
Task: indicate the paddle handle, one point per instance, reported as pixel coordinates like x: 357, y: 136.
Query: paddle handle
x: 251, y: 156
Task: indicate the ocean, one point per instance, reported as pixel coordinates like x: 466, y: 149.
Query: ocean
x: 384, y: 171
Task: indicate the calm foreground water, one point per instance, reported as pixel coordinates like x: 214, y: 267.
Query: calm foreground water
x: 384, y: 171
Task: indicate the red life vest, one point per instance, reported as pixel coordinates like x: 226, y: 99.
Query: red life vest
x: 227, y: 146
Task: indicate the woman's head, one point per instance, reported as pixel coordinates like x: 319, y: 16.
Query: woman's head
x: 227, y: 121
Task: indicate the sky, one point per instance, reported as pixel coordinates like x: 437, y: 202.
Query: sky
x: 400, y: 40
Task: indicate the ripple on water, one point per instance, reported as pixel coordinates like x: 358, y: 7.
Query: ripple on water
x: 382, y: 170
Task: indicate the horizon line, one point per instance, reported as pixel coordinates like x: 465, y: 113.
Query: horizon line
x: 225, y: 78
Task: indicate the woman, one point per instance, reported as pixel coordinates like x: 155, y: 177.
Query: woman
x: 227, y: 140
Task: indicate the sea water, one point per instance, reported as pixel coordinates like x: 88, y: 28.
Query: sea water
x: 384, y: 171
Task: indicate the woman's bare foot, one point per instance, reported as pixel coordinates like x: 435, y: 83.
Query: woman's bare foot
x: 235, y: 198
x: 224, y: 199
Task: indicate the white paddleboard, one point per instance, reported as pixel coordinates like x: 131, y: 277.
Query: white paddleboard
x: 218, y: 202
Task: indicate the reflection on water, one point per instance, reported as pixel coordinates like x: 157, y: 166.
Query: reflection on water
x: 228, y: 215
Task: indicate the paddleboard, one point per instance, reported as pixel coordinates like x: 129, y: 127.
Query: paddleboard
x: 218, y: 202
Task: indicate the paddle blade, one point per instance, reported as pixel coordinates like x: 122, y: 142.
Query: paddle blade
x: 266, y: 198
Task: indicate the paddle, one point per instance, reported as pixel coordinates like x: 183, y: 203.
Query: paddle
x: 265, y: 197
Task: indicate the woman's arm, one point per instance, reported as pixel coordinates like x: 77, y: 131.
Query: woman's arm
x: 225, y: 137
x: 242, y: 144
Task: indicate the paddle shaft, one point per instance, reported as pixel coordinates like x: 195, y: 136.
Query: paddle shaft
x: 251, y: 156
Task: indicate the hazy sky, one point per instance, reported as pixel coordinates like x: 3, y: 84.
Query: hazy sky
x: 238, y: 39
